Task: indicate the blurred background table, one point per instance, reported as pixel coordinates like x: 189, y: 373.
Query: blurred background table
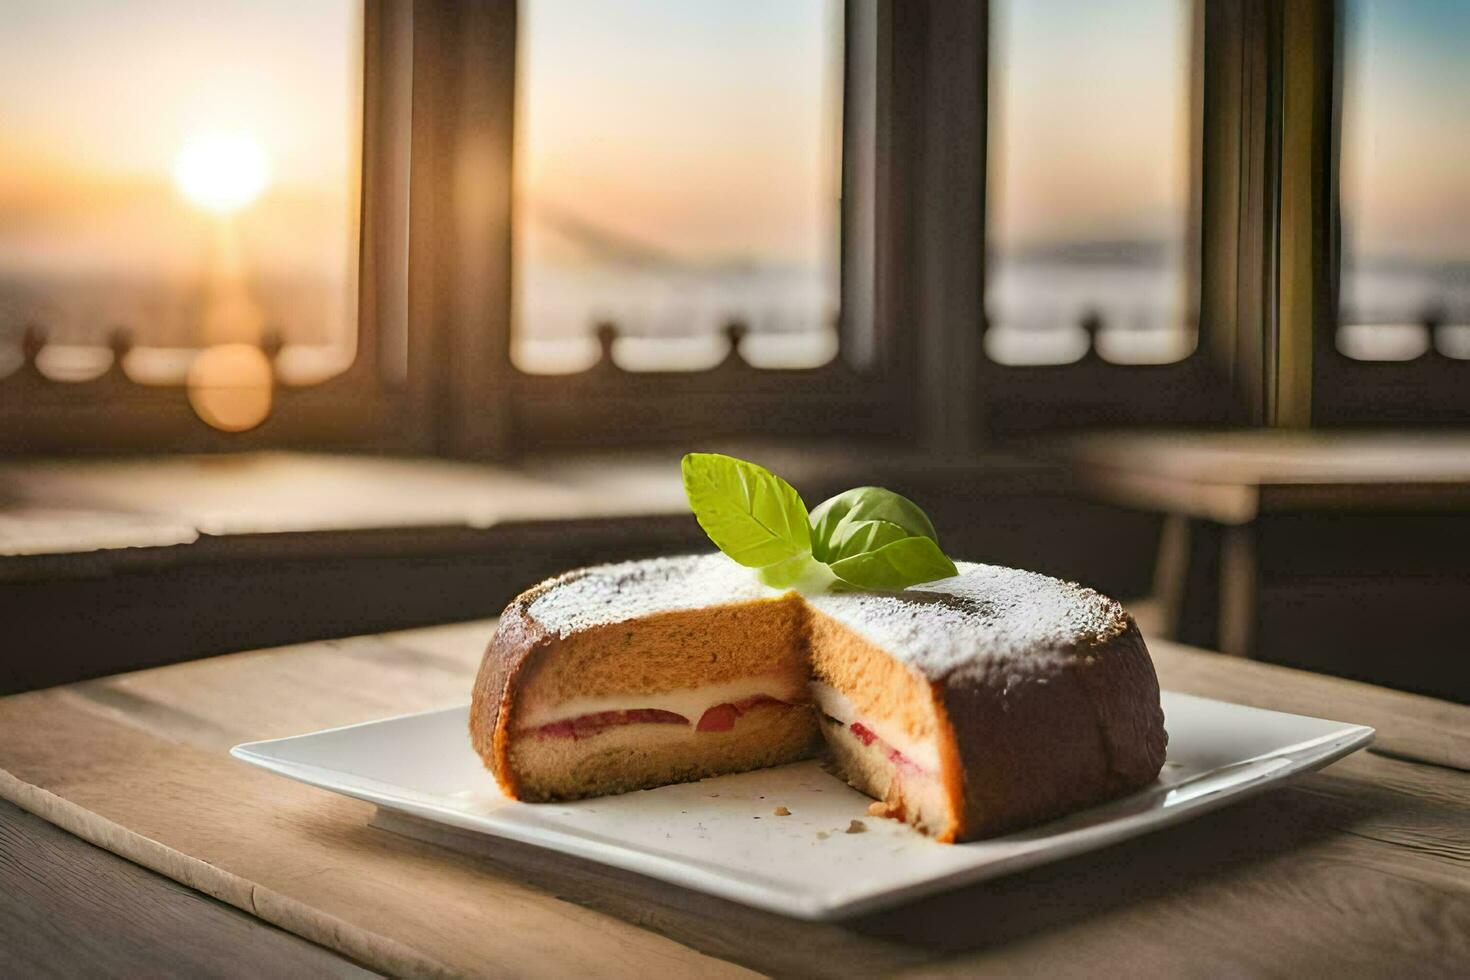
x: 110, y: 564
x: 1344, y: 552
x: 1359, y: 869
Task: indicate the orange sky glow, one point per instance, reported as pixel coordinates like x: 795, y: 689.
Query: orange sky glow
x: 97, y: 101
x: 709, y: 130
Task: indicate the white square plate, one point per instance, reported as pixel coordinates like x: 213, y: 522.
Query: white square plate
x: 722, y: 836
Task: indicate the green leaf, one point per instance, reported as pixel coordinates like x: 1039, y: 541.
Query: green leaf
x: 865, y: 519
x: 750, y: 514
x: 896, y: 566
x: 801, y: 573
x: 876, y: 539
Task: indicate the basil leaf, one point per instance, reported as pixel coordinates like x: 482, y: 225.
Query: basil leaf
x: 865, y: 519
x: 896, y: 566
x: 800, y: 573
x: 877, y: 539
x: 750, y: 514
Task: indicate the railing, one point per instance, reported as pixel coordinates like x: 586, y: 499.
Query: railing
x: 23, y: 372
x: 1380, y: 338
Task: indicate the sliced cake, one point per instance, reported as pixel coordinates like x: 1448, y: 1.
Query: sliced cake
x: 630, y: 676
x: 967, y: 707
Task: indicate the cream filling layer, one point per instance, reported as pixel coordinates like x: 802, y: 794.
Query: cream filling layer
x: 690, y: 702
x: 837, y: 705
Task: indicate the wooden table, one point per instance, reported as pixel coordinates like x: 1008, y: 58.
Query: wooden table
x: 69, y: 908
x: 116, y: 564
x: 1363, y: 869
x: 1345, y: 552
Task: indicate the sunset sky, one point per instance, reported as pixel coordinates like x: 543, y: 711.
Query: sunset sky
x: 705, y: 129
x: 1406, y: 128
x: 116, y: 88
x: 97, y: 100
x: 1089, y: 120
x: 709, y: 129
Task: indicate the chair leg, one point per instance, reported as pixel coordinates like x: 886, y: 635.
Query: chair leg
x: 1239, y: 590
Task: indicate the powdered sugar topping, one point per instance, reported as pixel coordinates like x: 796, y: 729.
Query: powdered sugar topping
x: 985, y: 615
x: 629, y: 590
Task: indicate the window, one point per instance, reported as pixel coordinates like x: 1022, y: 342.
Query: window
x: 683, y: 228
x: 184, y: 175
x: 583, y: 223
x: 677, y: 171
x: 1404, y: 185
x: 679, y: 180
x: 1091, y: 187
x: 1095, y: 218
x: 1390, y: 337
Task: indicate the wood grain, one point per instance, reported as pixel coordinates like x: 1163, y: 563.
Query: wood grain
x: 1417, y: 727
x: 223, y: 827
x: 1361, y: 869
x: 70, y: 909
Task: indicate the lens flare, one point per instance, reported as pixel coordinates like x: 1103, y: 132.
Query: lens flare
x: 230, y: 386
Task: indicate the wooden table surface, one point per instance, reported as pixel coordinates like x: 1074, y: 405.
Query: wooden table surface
x: 1338, y: 551
x: 69, y: 908
x: 1234, y: 476
x: 1362, y: 869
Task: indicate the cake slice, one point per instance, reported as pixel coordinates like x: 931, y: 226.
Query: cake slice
x: 968, y: 707
x: 985, y: 702
x: 632, y: 676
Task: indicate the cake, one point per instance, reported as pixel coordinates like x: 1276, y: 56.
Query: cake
x: 968, y: 707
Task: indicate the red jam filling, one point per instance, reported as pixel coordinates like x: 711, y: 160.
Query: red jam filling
x: 720, y: 718
x: 589, y: 725
x: 867, y: 736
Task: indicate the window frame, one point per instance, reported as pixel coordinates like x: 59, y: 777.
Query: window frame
x: 1228, y: 260
x: 434, y: 373
x: 912, y: 273
x: 369, y: 405
x: 496, y: 409
x: 1343, y: 391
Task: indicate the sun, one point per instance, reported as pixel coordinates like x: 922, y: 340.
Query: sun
x: 222, y: 172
